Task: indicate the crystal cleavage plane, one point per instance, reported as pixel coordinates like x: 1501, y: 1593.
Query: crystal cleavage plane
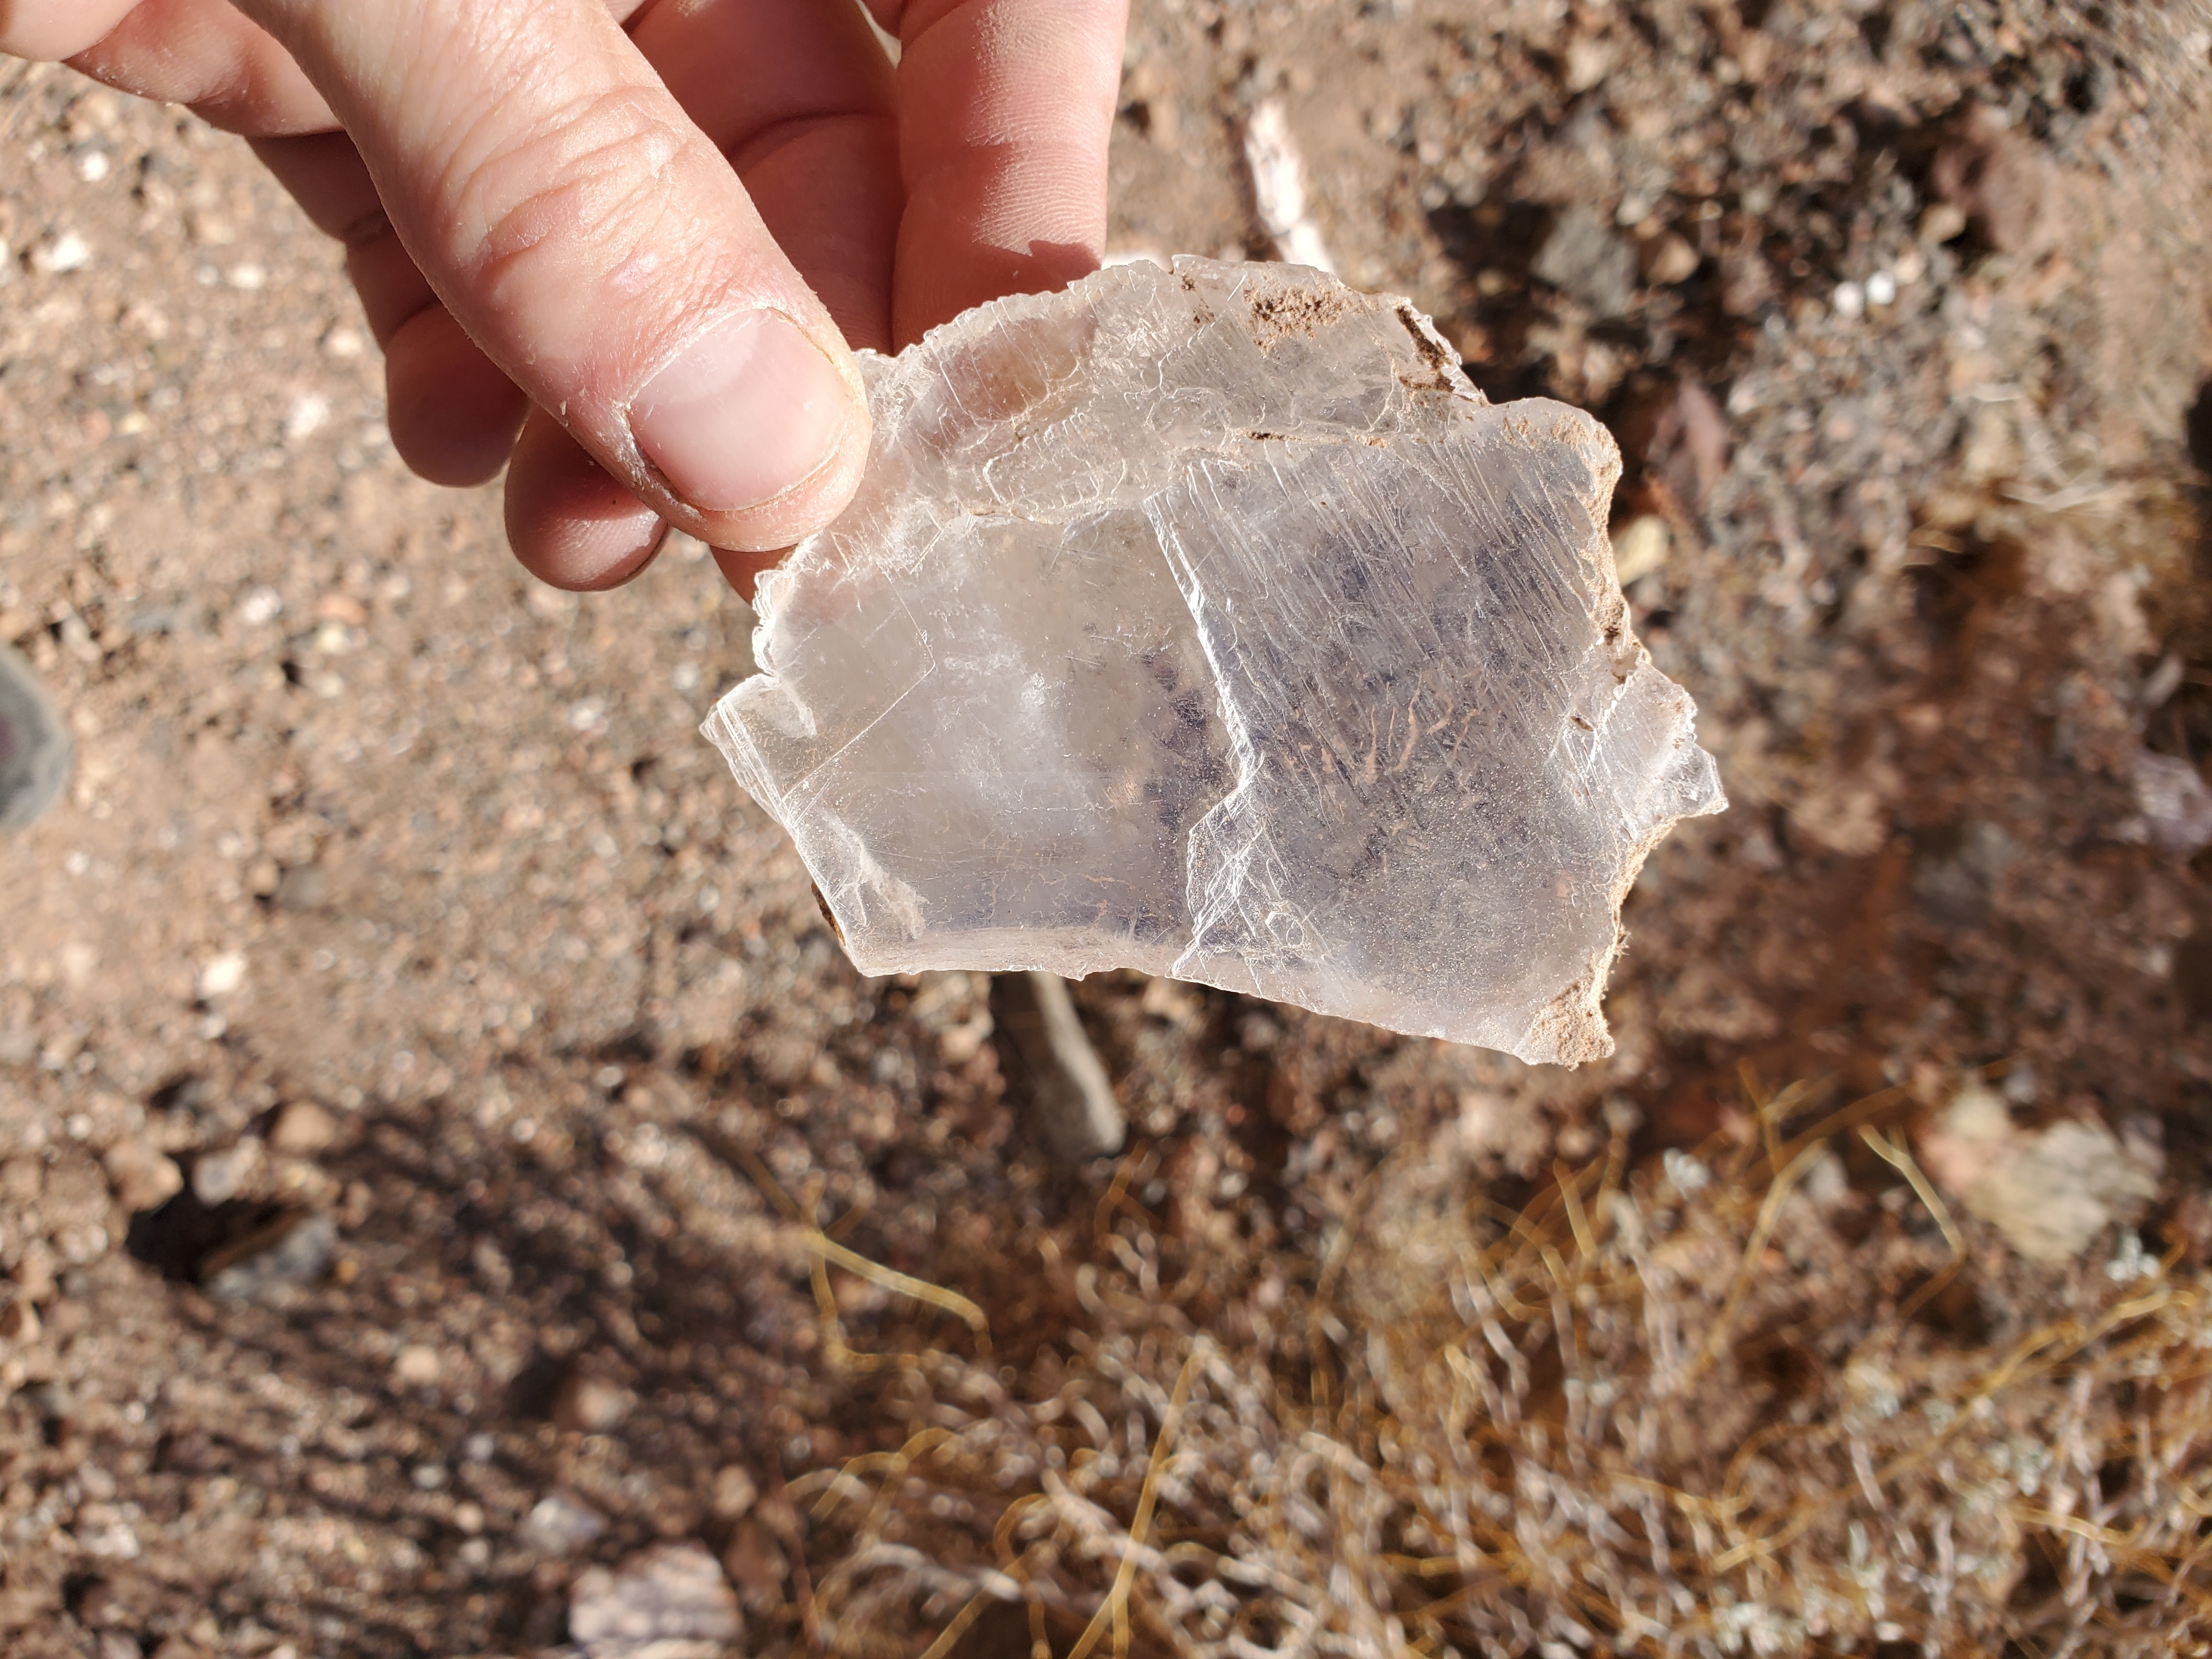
x: 1208, y: 622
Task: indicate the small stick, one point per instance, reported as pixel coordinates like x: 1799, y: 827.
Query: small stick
x: 1051, y: 1069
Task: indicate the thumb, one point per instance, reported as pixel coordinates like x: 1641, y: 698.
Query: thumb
x: 597, y: 247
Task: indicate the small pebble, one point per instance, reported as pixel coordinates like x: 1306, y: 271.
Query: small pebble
x: 734, y: 1493
x: 142, y: 1177
x: 302, y: 1255
x: 309, y: 414
x: 589, y: 1405
x: 303, y: 1128
x: 304, y: 887
x: 559, y: 1523
x: 35, y: 750
x: 1849, y: 300
x: 2050, y: 1191
x: 220, y: 1176
x: 19, y: 1322
x: 62, y: 254
x: 1941, y: 222
x: 416, y: 1366
x: 221, y: 975
x: 669, y: 1593
x: 1673, y: 260
x: 1640, y: 547
x: 1882, y: 288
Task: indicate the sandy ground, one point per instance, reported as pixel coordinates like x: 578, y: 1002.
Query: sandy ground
x: 518, y: 1096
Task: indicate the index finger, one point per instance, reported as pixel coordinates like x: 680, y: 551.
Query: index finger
x: 1006, y: 109
x: 597, y: 247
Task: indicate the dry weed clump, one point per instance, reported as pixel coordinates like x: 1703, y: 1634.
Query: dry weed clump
x: 1693, y: 1409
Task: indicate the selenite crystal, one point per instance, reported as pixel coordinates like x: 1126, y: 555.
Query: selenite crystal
x: 1208, y: 622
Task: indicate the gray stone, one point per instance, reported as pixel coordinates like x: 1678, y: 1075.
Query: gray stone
x: 1585, y: 257
x: 221, y: 1176
x: 35, y: 751
x: 303, y: 887
x: 299, y: 1257
x: 560, y: 1523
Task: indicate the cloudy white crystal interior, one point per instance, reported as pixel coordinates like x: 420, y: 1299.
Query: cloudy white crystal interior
x: 1208, y: 622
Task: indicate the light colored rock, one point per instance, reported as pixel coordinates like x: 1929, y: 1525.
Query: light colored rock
x: 559, y: 1523
x: 144, y: 1177
x: 220, y: 1176
x: 220, y: 975
x: 1670, y: 260
x: 61, y: 253
x: 1209, y: 623
x: 302, y: 1129
x: 309, y: 414
x: 2050, y: 1192
x: 670, y: 1602
x: 1641, y: 547
x: 734, y: 1492
x: 2173, y: 808
x: 589, y: 1405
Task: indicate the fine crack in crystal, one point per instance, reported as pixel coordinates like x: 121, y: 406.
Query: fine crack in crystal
x: 1209, y: 623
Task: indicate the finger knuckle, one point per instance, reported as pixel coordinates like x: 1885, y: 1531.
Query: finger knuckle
x: 587, y: 182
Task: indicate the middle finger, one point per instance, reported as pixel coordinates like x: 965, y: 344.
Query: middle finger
x: 798, y: 95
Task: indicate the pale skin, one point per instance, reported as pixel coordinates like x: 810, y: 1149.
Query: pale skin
x: 624, y: 249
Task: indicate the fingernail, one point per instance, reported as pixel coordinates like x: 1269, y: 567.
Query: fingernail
x: 749, y: 409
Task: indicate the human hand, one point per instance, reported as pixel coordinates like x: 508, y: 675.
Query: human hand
x: 620, y: 248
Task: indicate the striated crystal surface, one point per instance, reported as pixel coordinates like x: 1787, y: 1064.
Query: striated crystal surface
x: 1207, y: 621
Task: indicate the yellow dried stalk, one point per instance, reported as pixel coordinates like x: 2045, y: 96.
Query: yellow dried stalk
x: 1565, y: 1438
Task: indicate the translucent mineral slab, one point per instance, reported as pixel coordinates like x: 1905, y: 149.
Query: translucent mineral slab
x: 1208, y: 622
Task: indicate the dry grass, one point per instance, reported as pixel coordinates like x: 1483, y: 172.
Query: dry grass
x: 1689, y: 1410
